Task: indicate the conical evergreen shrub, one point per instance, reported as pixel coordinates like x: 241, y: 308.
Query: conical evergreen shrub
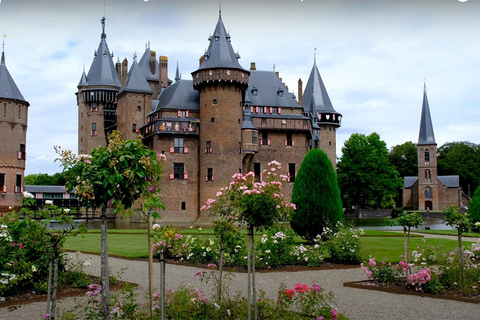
x: 316, y: 195
x: 474, y: 209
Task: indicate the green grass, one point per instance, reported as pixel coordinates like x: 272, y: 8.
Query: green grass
x: 449, y: 233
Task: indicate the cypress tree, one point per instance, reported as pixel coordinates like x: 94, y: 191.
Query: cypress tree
x: 474, y: 209
x: 316, y: 195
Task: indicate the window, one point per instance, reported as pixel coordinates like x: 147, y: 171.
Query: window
x: 182, y: 113
x: 184, y: 205
x: 21, y: 154
x: 265, y: 141
x: 134, y: 128
x: 19, y: 112
x: 264, y: 121
x: 2, y: 183
x: 4, y: 109
x: 330, y: 143
x: 428, y: 193
x: 254, y: 137
x: 427, y: 157
x: 210, y: 176
x: 289, y: 141
x: 257, y: 171
x: 139, y: 108
x: 291, y: 172
x: 93, y: 107
x: 94, y: 131
x: 428, y: 175
x: 213, y: 120
x: 208, y: 147
x: 178, y: 171
x: 178, y: 145
x: 214, y: 102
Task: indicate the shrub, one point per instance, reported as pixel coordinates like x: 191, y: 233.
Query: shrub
x: 275, y: 247
x: 316, y: 196
x: 424, y: 280
x: 344, y: 246
x: 474, y: 210
x: 450, y: 276
x: 384, y: 272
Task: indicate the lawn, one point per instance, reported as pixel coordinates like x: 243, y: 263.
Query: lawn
x: 449, y: 233
x: 378, y: 244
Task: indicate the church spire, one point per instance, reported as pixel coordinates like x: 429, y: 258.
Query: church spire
x: 177, y: 74
x: 104, y: 36
x: 3, y: 50
x: 426, y: 135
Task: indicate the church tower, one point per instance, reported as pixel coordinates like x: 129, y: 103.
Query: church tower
x: 13, y: 133
x: 221, y: 82
x: 325, y: 120
x: 427, y: 160
x: 97, y: 99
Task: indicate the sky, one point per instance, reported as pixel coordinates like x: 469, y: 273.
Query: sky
x: 373, y: 55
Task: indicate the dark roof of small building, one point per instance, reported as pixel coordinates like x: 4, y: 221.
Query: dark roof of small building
x: 102, y: 71
x: 45, y: 189
x: 180, y: 95
x: 136, y: 81
x: 426, y: 135
x: 220, y: 52
x: 450, y: 181
x: 408, y: 182
x: 266, y: 89
x: 315, y: 96
x: 8, y: 88
x: 144, y: 65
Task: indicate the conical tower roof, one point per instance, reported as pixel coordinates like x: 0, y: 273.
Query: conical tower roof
x: 136, y: 80
x: 144, y: 65
x: 315, y: 97
x: 220, y: 52
x: 102, y: 71
x: 8, y: 88
x: 83, y: 79
x: 177, y: 74
x: 426, y: 135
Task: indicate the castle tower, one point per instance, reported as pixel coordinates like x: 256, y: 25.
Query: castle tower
x: 97, y: 99
x: 13, y: 133
x: 427, y: 160
x: 221, y: 82
x: 325, y: 120
x: 134, y: 103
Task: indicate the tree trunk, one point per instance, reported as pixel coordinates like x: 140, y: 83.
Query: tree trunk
x: 150, y: 267
x: 405, y: 252
x: 55, y: 286
x: 249, y: 277
x: 220, y: 273
x: 49, y: 294
x: 254, y: 290
x: 409, y: 271
x: 162, y: 285
x: 104, y: 267
x: 460, y: 257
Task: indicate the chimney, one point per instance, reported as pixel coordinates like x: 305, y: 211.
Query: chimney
x: 153, y: 59
x: 124, y: 71
x: 277, y: 73
x: 118, y: 68
x: 253, y: 66
x: 300, y: 91
x: 163, y: 67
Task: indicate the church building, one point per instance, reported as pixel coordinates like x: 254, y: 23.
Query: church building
x: 429, y: 191
x: 13, y: 133
x: 225, y: 119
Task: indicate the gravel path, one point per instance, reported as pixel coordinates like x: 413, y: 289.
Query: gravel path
x: 357, y: 304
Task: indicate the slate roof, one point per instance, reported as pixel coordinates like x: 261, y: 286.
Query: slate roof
x: 144, y: 65
x: 247, y: 115
x: 102, y: 71
x: 180, y: 95
x: 136, y: 81
x: 220, y: 53
x: 408, y: 182
x: 426, y: 135
x: 447, y: 181
x: 315, y: 96
x: 267, y: 85
x: 83, y: 80
x: 8, y: 88
x: 45, y: 189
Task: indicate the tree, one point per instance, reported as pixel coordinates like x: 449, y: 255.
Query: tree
x: 365, y: 176
x: 44, y: 179
x: 316, y: 196
x: 474, y: 210
x: 116, y: 175
x: 404, y: 158
x: 460, y: 158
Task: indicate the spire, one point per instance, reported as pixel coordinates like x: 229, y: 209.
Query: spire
x: 315, y: 98
x: 104, y: 36
x: 177, y: 74
x: 8, y: 88
x: 220, y: 53
x: 3, y: 50
x: 83, y: 79
x: 426, y: 135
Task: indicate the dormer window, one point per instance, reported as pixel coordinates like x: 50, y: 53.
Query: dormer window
x: 216, y: 38
x: 280, y: 92
x: 254, y: 90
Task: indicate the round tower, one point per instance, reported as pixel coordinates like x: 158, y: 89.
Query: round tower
x: 13, y: 130
x: 221, y: 82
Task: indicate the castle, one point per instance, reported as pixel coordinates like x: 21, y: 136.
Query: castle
x: 429, y: 191
x: 227, y: 119
x: 13, y: 133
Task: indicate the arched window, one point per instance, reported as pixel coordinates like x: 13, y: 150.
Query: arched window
x: 139, y: 108
x: 428, y: 175
x: 428, y: 193
x: 427, y: 156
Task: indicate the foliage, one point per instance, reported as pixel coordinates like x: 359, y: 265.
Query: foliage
x: 257, y: 204
x: 344, y: 245
x: 456, y: 220
x: 316, y: 195
x: 460, y: 158
x: 365, y: 176
x: 424, y: 280
x: 275, y: 248
x: 118, y: 174
x: 44, y: 179
x: 474, y: 210
x: 406, y: 219
x: 404, y: 158
x: 384, y: 272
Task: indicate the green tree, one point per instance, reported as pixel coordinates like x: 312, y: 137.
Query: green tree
x: 365, y: 176
x: 316, y: 195
x: 44, y: 179
x: 116, y: 175
x: 460, y: 158
x: 404, y: 158
x: 474, y: 210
